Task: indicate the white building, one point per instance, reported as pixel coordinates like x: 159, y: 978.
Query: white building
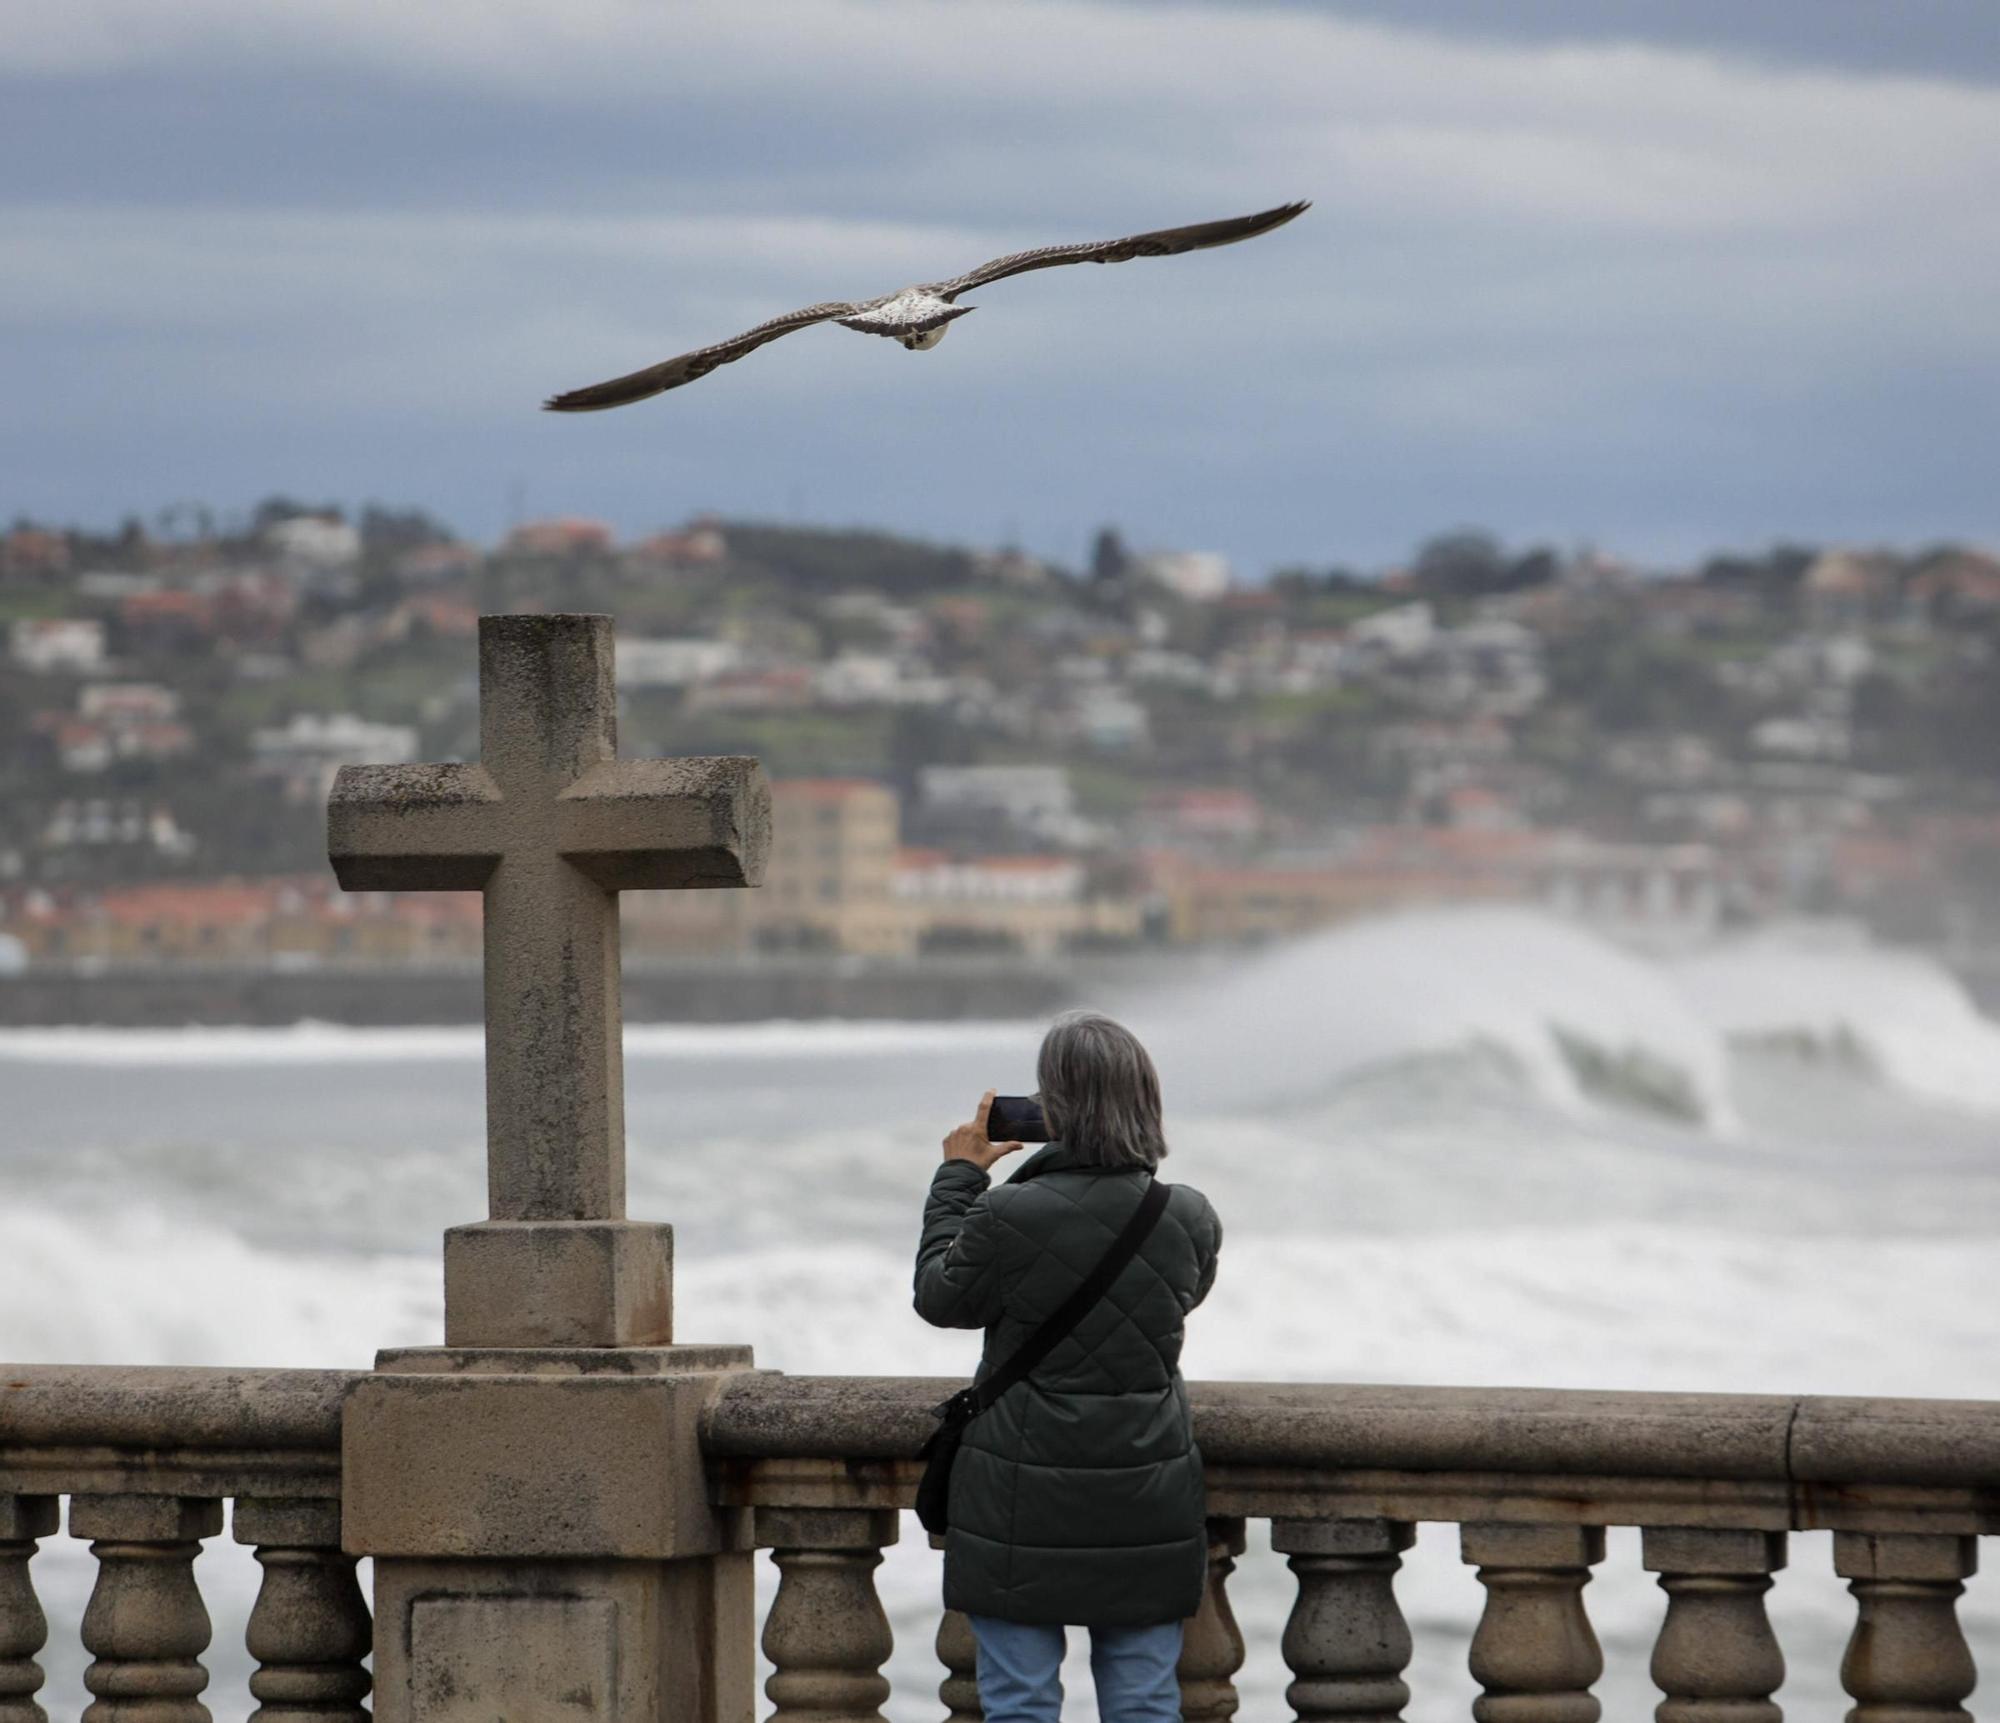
x: 338, y: 736
x: 1036, y: 801
x: 877, y: 679
x: 1401, y: 632
x: 1659, y: 897
x: 107, y: 824
x: 128, y: 702
x: 924, y: 876
x: 1199, y: 575
x: 1177, y: 669
x: 313, y: 542
x: 1028, y: 903
x: 1804, y: 736
x: 1108, y: 718
x: 876, y: 610
x: 1030, y: 797
x: 306, y: 752
x: 48, y: 644
x: 1019, y: 792
x: 674, y: 662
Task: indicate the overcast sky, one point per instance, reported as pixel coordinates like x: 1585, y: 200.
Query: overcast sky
x: 1658, y: 275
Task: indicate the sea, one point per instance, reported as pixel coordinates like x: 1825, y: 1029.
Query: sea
x: 1451, y: 1147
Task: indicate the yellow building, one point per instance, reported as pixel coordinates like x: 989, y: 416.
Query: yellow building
x: 830, y: 885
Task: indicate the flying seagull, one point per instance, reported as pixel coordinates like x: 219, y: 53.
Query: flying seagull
x: 916, y: 316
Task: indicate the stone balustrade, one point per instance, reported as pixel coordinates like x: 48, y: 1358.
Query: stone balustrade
x: 820, y: 1466
x: 1530, y: 1478
x: 146, y: 1458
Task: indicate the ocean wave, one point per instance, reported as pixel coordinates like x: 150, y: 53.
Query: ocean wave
x: 1895, y: 1017
x: 1578, y: 1021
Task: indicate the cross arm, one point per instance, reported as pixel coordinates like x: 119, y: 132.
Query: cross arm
x: 657, y: 824
x: 413, y: 828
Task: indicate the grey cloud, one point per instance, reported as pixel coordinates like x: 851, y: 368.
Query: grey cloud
x: 1957, y: 39
x: 1660, y: 299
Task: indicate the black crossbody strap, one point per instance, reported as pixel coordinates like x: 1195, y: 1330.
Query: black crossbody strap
x: 1055, y: 1328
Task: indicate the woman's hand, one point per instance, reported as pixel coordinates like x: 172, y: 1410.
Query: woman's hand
x: 967, y: 1142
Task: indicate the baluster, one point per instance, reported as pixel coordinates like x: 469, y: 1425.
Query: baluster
x: 1717, y: 1660
x: 1212, y: 1649
x: 958, y: 1651
x: 145, y: 1624
x: 1346, y: 1642
x: 827, y: 1632
x: 310, y: 1628
x: 23, y: 1627
x: 1908, y: 1661
x: 1534, y: 1652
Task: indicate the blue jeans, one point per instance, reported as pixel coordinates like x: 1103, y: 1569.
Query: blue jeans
x: 1020, y: 1671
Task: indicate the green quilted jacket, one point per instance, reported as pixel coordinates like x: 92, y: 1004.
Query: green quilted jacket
x: 1077, y: 1498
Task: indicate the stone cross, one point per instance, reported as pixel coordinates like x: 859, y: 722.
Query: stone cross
x: 550, y: 825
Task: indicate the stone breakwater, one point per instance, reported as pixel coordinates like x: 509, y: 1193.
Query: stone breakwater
x: 793, y: 987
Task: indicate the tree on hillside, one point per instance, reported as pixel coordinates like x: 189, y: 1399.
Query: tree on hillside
x: 1459, y: 564
x: 1770, y: 576
x: 1537, y: 567
x: 1108, y: 557
x: 822, y: 560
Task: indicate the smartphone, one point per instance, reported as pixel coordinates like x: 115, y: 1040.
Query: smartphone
x: 1016, y: 1119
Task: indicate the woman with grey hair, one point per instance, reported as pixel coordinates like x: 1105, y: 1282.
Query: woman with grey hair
x: 1076, y: 1497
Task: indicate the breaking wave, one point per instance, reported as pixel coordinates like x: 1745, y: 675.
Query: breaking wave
x: 1893, y: 1016
x: 1567, y: 1014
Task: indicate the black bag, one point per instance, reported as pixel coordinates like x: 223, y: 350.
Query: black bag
x: 934, y: 1489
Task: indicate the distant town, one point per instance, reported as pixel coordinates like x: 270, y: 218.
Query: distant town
x: 974, y: 751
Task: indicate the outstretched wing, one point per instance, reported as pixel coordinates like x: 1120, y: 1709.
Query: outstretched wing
x: 1164, y: 243
x: 672, y: 373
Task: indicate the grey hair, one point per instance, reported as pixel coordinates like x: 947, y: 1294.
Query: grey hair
x: 1100, y: 1092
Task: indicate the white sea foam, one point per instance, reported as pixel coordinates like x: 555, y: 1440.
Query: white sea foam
x: 134, y: 1287
x: 1896, y: 1015
x: 1623, y: 1306
x: 1627, y: 1307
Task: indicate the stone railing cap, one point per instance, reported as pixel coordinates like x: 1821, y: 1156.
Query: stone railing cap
x: 148, y: 1406
x: 1333, y: 1426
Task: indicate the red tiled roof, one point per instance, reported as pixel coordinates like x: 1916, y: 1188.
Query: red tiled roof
x: 214, y: 901
x: 1021, y: 864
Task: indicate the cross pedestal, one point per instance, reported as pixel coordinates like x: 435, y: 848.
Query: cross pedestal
x: 533, y: 1491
